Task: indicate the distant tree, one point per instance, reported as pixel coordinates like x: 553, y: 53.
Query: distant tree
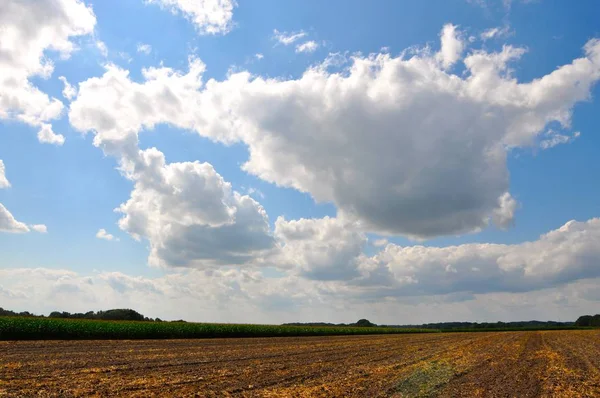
x: 364, y: 323
x: 584, y: 320
x: 4, y: 312
x: 120, y: 315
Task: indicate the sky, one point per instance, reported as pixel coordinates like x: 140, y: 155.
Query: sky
x: 268, y: 162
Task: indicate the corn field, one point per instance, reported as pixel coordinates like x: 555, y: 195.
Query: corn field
x: 20, y: 328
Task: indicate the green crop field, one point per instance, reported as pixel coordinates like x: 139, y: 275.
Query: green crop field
x: 22, y: 328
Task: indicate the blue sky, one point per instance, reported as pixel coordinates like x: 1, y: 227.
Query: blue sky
x: 339, y: 172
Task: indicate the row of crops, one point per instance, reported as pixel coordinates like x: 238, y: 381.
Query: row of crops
x: 20, y: 328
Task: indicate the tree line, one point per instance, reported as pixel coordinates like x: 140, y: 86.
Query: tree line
x: 126, y: 314
x: 588, y: 320
x: 461, y: 326
x: 118, y: 314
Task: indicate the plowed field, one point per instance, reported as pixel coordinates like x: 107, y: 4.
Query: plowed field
x: 501, y: 364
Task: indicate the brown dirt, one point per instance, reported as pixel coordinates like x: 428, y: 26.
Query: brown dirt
x: 505, y: 364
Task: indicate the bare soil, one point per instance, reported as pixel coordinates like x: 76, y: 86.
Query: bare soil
x: 496, y: 364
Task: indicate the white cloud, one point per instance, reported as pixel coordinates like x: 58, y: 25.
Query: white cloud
x: 495, y: 33
x: 29, y: 29
x: 144, y: 48
x: 307, y: 47
x: 116, y: 108
x: 125, y: 56
x: 208, y: 16
x: 8, y: 223
x: 102, y: 234
x: 380, y: 242
x: 287, y: 38
x: 255, y: 192
x: 452, y: 46
x: 47, y: 136
x: 41, y: 228
x: 321, y: 249
x: 397, y: 143
x: 191, y: 216
x: 504, y: 214
x: 68, y: 91
x: 101, y: 46
x: 506, y: 5
x: 559, y: 257
x: 259, y: 56
x: 7, y: 220
x: 187, y: 211
x: 553, y: 138
x: 247, y: 296
x: 4, y: 183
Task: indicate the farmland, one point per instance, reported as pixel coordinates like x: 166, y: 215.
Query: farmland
x: 27, y: 328
x: 520, y: 364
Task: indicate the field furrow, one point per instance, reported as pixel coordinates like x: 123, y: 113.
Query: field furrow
x: 494, y: 364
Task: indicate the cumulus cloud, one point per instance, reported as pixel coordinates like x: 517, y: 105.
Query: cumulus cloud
x: 190, y: 215
x: 561, y: 256
x: 102, y: 234
x: 47, y: 136
x: 321, y: 249
x: 29, y: 29
x: 4, y: 183
x: 287, y: 38
x: 397, y: 143
x: 452, y: 46
x: 68, y: 91
x: 504, y: 214
x: 41, y: 228
x: 553, y: 138
x: 8, y: 223
x: 239, y: 295
x: 144, y: 48
x: 217, y: 295
x: 307, y: 47
x: 208, y: 16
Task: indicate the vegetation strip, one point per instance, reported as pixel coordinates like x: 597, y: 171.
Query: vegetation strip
x: 23, y: 328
